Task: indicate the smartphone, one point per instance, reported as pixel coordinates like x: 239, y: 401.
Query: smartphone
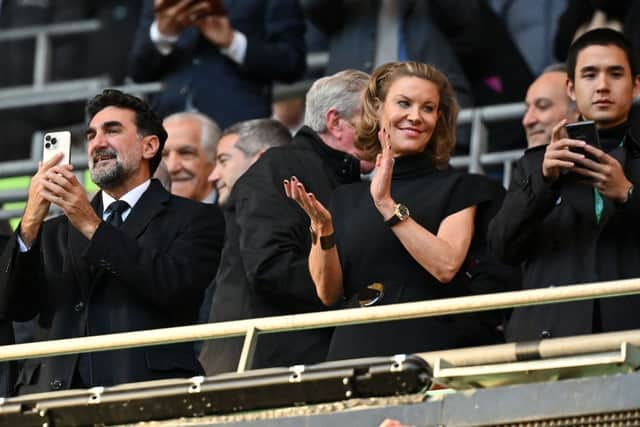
x: 57, y: 142
x: 215, y: 6
x: 585, y: 131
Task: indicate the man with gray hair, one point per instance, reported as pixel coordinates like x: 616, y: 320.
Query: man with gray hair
x: 239, y: 147
x: 263, y: 270
x: 547, y: 103
x: 189, y: 154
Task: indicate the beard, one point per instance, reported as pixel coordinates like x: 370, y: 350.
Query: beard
x: 109, y: 176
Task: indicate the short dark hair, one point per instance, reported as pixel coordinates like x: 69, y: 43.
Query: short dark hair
x: 600, y: 37
x: 258, y: 134
x: 147, y: 121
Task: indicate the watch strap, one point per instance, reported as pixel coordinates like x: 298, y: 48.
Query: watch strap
x: 326, y: 242
x: 395, y: 219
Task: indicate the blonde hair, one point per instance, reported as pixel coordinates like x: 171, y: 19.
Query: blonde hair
x: 444, y: 135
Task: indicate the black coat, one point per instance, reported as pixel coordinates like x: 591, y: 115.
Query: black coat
x: 552, y: 231
x: 264, y: 266
x: 6, y: 337
x: 151, y: 273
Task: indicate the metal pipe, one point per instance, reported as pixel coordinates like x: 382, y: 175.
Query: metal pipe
x: 352, y: 316
x: 62, y: 28
x: 547, y: 348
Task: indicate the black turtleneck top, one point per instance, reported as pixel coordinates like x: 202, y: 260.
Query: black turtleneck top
x: 370, y: 252
x: 611, y: 138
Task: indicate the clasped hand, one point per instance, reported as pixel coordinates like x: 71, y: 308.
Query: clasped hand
x: 600, y: 170
x: 174, y: 18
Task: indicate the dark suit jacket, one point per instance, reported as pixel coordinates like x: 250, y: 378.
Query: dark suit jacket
x: 552, y: 232
x: 6, y: 337
x: 264, y: 267
x: 151, y: 273
x: 196, y: 72
x: 352, y: 25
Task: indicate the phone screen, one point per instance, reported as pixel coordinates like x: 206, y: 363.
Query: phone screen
x: 57, y: 142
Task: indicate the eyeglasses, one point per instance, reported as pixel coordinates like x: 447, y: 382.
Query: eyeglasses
x: 368, y: 296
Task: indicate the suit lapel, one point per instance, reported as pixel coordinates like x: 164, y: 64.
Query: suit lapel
x: 152, y: 203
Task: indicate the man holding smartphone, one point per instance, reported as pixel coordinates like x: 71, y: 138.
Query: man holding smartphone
x: 219, y: 57
x: 135, y: 257
x: 570, y: 216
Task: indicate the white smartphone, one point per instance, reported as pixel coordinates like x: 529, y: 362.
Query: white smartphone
x: 57, y: 142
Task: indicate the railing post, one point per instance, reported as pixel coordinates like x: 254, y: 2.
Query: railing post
x: 507, y: 169
x: 248, y: 349
x: 41, y: 59
x: 478, y: 142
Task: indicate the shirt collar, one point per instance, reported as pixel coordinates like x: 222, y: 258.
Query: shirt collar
x: 344, y: 165
x: 211, y: 198
x: 131, y: 197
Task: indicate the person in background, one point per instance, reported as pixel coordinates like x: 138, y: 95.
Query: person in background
x: 240, y: 147
x: 571, y: 213
x: 263, y: 271
x: 547, y: 103
x: 219, y: 58
x: 189, y: 155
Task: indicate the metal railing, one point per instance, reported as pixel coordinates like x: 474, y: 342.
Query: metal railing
x: 42, y: 35
x: 250, y: 328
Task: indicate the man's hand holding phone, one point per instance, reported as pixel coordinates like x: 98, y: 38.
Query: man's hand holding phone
x: 605, y: 173
x: 173, y: 16
x: 38, y: 200
x: 558, y: 155
x: 599, y: 169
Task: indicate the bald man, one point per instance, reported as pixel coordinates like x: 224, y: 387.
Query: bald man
x: 547, y: 103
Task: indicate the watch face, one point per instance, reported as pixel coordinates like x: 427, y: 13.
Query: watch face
x: 402, y: 212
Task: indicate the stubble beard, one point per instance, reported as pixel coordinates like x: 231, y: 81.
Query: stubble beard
x: 108, y: 177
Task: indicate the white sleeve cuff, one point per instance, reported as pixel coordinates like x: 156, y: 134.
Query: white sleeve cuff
x: 237, y: 50
x: 163, y: 42
x: 22, y: 245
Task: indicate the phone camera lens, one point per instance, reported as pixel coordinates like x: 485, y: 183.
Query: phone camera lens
x: 47, y: 145
x: 54, y: 141
x: 47, y: 138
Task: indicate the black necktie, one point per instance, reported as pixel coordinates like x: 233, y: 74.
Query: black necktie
x: 116, y: 208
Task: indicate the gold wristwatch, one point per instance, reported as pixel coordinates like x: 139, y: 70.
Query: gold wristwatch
x: 400, y: 213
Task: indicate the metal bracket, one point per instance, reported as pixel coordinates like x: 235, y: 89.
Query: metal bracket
x: 248, y: 349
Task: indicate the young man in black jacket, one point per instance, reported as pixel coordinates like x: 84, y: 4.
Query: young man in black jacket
x: 571, y: 213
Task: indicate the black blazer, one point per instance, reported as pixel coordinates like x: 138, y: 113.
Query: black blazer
x: 551, y: 231
x: 151, y: 273
x: 6, y: 338
x: 264, y: 267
